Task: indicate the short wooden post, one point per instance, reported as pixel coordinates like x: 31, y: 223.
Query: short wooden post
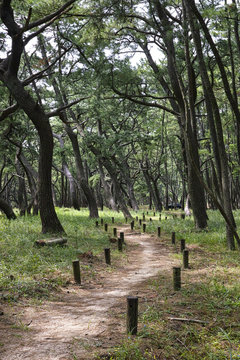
x: 120, y: 244
x: 182, y: 244
x: 143, y: 217
x: 144, y: 228
x: 132, y: 225
x: 140, y: 222
x: 185, y: 259
x: 183, y: 216
x: 96, y: 223
x: 160, y: 217
x: 136, y: 218
x: 76, y: 271
x: 150, y: 219
x: 114, y: 231
x: 147, y: 212
x: 112, y: 220
x: 173, y: 238
x: 106, y: 227
x: 176, y: 278
x: 101, y: 221
x: 132, y: 314
x: 107, y: 256
x: 154, y: 214
x: 159, y: 231
x: 122, y: 236
x: 165, y: 217
x: 126, y: 219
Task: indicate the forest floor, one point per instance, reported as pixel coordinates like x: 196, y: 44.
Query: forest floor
x: 84, y: 320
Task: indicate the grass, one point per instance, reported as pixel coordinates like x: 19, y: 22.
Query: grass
x: 31, y: 272
x: 210, y: 293
x: 210, y: 288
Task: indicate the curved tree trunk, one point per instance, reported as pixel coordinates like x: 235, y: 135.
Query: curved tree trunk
x: 7, y: 209
x: 9, y: 76
x: 50, y: 221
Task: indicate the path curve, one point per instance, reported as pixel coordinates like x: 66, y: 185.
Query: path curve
x: 83, y: 318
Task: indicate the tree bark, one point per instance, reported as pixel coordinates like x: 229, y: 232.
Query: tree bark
x: 8, y: 75
x: 216, y: 124
x: 7, y: 209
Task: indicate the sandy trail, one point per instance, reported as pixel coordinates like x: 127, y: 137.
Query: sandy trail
x: 88, y: 318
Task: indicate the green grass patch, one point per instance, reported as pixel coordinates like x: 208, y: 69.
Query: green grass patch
x: 29, y: 271
x: 210, y: 293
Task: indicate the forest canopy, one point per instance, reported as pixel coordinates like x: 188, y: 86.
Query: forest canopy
x: 120, y: 104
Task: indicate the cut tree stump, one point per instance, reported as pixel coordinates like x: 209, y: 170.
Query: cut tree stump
x: 51, y: 242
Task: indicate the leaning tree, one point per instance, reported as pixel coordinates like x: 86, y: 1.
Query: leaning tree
x: 20, y: 36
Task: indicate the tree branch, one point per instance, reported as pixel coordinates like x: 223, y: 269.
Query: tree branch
x: 59, y: 110
x: 9, y: 111
x: 48, y: 18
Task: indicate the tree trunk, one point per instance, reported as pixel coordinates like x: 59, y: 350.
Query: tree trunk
x: 22, y: 198
x: 50, y: 222
x: 107, y: 190
x: 215, y: 124
x: 7, y: 209
x: 92, y: 204
x: 68, y: 174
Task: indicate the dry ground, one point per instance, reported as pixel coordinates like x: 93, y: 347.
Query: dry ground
x: 86, y: 319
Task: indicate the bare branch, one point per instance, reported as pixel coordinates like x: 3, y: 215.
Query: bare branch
x: 59, y: 110
x: 49, y: 17
x: 145, y: 103
x: 40, y: 74
x: 7, y: 112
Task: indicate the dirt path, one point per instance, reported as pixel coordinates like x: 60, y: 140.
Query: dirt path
x: 88, y: 318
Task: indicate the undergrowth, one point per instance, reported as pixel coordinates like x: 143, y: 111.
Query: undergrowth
x: 32, y: 272
x: 210, y: 287
x: 210, y: 294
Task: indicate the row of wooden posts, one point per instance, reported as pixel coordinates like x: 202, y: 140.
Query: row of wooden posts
x: 132, y: 301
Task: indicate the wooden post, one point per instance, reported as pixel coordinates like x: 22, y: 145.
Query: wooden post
x: 136, y: 218
x: 112, y: 220
x: 132, y: 314
x: 165, y: 217
x: 120, y: 244
x: 96, y: 223
x: 132, y: 225
x: 106, y: 227
x: 114, y: 231
x: 159, y: 231
x: 182, y: 244
x: 160, y: 217
x: 185, y: 259
x: 101, y: 221
x: 176, y: 278
x: 140, y: 222
x: 150, y: 219
x: 107, y: 256
x: 154, y: 214
x: 144, y: 228
x: 147, y: 212
x: 143, y: 217
x: 183, y: 216
x: 122, y: 236
x: 76, y: 271
x: 173, y: 238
